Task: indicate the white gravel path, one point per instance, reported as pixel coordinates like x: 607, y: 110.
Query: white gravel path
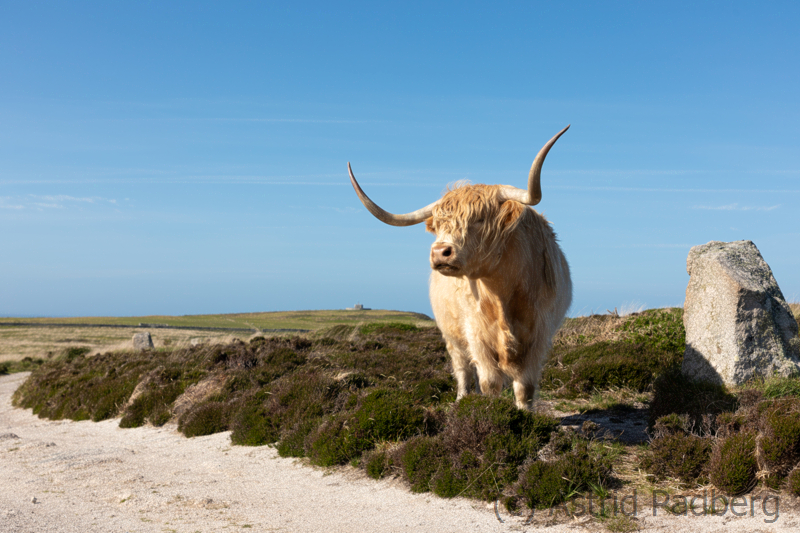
x: 96, y: 477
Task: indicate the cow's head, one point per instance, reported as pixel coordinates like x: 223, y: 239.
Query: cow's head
x: 471, y: 222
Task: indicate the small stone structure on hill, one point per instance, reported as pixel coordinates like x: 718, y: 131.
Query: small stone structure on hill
x: 357, y: 307
x: 738, y: 325
x: 142, y: 341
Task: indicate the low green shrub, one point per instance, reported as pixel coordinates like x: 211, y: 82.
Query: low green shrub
x: 206, y: 419
x: 386, y: 327
x: 793, y: 482
x: 433, y: 391
x: 675, y: 393
x: 544, y: 484
x: 377, y: 463
x: 382, y: 415
x: 780, y: 442
x: 605, y: 365
x: 679, y: 455
x: 671, y: 424
x: 282, y: 410
x: 478, y: 451
x: 661, y: 330
x: 81, y: 388
x: 75, y: 351
x: 161, y: 388
x: 252, y: 425
x: 781, y: 387
x: 733, y: 464
x: 420, y: 458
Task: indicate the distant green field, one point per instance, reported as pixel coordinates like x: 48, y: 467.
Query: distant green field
x: 310, y: 320
x: 19, y: 340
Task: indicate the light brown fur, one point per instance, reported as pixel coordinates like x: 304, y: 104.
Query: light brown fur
x: 502, y: 294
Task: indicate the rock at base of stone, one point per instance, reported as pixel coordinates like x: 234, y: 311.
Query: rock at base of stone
x: 738, y: 325
x: 142, y: 341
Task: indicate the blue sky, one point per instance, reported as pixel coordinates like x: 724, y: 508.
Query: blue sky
x: 190, y: 157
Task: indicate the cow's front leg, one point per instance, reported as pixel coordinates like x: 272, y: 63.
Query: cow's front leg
x: 461, y: 369
x: 524, y: 392
x: 490, y: 378
x: 526, y: 376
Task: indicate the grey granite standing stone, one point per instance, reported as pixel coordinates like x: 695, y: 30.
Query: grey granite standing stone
x: 738, y: 325
x: 142, y: 341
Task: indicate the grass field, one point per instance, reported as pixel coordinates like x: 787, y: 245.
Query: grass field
x: 311, y: 320
x: 41, y: 342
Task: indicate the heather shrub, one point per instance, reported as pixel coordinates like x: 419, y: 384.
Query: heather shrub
x: 420, y: 458
x: 793, y: 482
x: 377, y: 463
x: 544, y: 484
x: 383, y: 415
x: 733, y: 464
x: 479, y: 450
x: 780, y: 442
x: 679, y: 455
x: 208, y: 418
x: 674, y: 393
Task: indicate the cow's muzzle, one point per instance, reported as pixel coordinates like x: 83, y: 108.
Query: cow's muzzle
x: 443, y: 258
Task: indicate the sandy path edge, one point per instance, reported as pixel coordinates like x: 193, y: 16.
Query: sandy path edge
x: 89, y: 477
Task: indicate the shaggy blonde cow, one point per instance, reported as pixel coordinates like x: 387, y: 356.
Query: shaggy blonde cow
x: 500, y: 285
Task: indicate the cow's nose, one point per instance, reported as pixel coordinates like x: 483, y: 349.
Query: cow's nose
x: 441, y: 252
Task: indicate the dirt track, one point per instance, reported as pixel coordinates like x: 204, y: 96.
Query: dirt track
x: 96, y: 477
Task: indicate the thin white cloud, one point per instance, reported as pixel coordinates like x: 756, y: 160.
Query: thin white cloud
x: 659, y: 189
x: 736, y: 207
x: 50, y: 201
x: 650, y: 245
x: 342, y: 210
x: 291, y: 120
x: 667, y: 172
x: 67, y: 198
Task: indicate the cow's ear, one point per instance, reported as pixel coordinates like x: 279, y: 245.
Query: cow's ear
x: 429, y: 225
x: 510, y: 213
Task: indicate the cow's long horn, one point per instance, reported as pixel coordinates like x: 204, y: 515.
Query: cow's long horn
x: 534, y: 193
x: 408, y: 219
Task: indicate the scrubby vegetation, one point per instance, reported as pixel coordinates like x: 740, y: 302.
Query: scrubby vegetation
x: 381, y: 397
x: 605, y: 351
x: 731, y: 438
x: 26, y: 364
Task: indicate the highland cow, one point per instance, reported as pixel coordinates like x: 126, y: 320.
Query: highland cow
x: 500, y: 285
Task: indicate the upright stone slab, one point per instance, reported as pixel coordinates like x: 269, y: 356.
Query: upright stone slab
x: 738, y: 325
x: 142, y: 341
